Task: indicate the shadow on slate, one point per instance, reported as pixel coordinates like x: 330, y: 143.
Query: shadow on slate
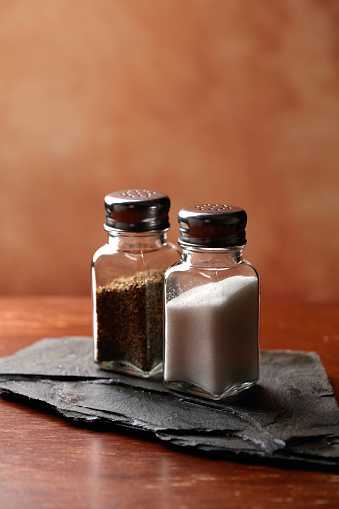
x: 291, y: 415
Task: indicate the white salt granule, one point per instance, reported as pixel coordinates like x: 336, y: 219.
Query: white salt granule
x: 211, y: 335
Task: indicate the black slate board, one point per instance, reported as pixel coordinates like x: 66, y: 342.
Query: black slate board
x: 291, y: 414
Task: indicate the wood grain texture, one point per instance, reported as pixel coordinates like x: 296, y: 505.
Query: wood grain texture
x: 47, y: 463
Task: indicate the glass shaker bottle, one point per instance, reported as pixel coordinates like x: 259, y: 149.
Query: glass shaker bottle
x: 127, y: 283
x: 211, y: 306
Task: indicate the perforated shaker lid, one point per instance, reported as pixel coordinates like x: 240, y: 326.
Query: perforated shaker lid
x: 137, y: 210
x: 212, y: 225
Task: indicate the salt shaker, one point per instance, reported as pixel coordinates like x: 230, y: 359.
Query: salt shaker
x: 127, y: 283
x: 212, y: 298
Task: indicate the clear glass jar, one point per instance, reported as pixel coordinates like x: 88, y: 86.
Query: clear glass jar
x: 127, y: 283
x: 212, y: 299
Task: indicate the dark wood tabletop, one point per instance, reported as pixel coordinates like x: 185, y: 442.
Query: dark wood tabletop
x: 46, y: 462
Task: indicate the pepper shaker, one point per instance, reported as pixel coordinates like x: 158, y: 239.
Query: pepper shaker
x: 127, y: 283
x: 212, y: 299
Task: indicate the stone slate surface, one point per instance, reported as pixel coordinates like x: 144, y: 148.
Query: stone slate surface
x: 291, y: 415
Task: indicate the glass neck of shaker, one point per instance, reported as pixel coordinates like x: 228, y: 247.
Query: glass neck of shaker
x: 136, y: 241
x: 202, y: 256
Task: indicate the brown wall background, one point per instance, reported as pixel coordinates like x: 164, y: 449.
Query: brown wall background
x: 219, y: 101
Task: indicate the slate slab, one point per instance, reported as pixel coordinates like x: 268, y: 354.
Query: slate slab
x: 291, y: 414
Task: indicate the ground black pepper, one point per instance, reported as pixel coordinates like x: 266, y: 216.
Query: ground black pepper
x: 130, y: 320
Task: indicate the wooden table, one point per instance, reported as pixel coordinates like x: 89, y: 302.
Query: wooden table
x: 45, y: 462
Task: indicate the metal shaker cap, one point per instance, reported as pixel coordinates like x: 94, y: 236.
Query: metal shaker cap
x: 137, y: 210
x: 212, y: 225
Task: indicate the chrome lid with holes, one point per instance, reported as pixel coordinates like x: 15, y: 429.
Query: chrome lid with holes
x: 212, y: 225
x: 137, y: 210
